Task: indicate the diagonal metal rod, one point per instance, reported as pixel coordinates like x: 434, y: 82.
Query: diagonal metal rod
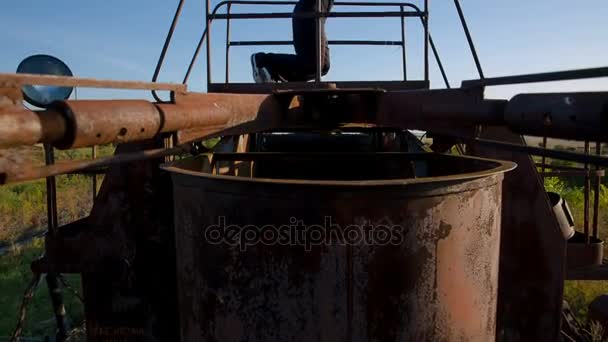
x: 539, y: 77
x: 163, y: 53
x: 469, y: 38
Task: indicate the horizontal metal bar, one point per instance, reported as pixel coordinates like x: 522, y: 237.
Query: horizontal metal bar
x: 571, y: 173
x: 64, y: 81
x: 559, y: 167
x: 372, y: 4
x: 331, y: 42
x: 335, y: 4
x: 540, y: 77
x: 269, y: 88
x: 312, y: 15
x: 539, y: 151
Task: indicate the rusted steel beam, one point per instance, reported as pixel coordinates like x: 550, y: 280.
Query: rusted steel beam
x: 192, y: 116
x: 15, y: 175
x: 64, y: 81
x: 19, y: 126
x: 74, y: 124
x: 98, y: 122
x: 210, y: 110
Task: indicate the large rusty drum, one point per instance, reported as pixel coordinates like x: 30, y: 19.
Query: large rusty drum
x: 337, y: 247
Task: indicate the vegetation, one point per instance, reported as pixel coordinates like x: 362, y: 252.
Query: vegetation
x: 22, y: 215
x: 23, y: 206
x: 15, y: 275
x: 580, y: 293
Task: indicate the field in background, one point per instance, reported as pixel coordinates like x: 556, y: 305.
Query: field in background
x: 22, y: 218
x: 23, y: 214
x: 23, y: 206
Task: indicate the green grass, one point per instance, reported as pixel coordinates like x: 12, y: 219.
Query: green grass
x: 580, y: 293
x: 23, y: 206
x: 23, y: 212
x: 15, y: 275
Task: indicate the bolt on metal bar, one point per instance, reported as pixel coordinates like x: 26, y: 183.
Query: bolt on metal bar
x: 228, y: 45
x: 163, y: 52
x: 403, y: 52
x: 469, y: 38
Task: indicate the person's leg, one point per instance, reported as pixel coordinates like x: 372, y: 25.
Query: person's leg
x: 304, y: 34
x: 302, y: 65
x: 282, y: 67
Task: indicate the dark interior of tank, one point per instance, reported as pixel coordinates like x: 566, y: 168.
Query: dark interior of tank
x: 336, y: 166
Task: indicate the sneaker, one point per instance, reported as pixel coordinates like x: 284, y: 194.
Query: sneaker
x: 260, y: 75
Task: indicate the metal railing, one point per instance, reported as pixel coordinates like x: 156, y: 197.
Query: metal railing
x: 412, y: 11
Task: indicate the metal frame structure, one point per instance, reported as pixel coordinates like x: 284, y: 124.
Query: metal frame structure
x: 228, y: 16
x: 532, y: 267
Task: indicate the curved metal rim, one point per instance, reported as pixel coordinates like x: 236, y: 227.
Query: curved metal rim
x: 502, y: 167
x: 60, y: 62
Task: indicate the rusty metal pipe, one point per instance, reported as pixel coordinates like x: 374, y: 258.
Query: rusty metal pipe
x: 73, y: 124
x: 81, y: 123
x: 23, y: 127
x: 98, y: 122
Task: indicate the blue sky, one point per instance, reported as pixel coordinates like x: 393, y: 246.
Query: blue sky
x: 121, y: 39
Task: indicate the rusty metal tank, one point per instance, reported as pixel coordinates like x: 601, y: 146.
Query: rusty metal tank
x: 337, y: 247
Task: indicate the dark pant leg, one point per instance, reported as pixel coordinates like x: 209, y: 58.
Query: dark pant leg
x: 300, y: 67
x: 304, y: 31
x: 284, y: 67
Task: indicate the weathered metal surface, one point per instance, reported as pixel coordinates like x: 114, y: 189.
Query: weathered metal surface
x: 532, y: 250
x: 73, y: 124
x: 19, y: 126
x: 583, y: 251
x: 438, y: 282
x: 125, y: 253
x: 582, y: 116
x: 34, y: 79
x: 196, y: 116
x: 97, y: 122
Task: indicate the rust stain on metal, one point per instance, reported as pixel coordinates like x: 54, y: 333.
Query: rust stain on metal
x: 65, y: 81
x: 10, y: 94
x: 439, y: 282
x: 98, y: 122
